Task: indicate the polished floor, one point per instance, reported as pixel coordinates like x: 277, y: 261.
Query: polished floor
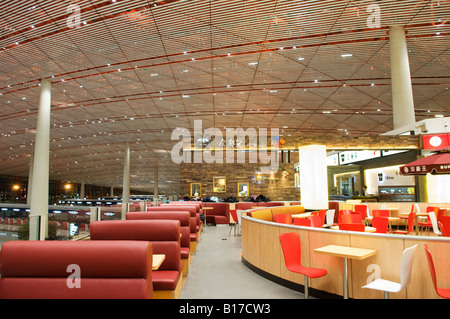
x: 217, y: 272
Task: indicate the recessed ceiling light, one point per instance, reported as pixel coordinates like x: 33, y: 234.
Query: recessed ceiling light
x: 346, y: 55
x: 301, y: 59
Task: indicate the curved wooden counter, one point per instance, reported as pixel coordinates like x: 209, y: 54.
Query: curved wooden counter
x: 261, y: 249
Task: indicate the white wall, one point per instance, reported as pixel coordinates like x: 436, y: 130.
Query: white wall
x: 391, y: 177
x: 438, y: 188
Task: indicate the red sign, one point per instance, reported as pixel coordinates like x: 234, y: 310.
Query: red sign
x: 435, y: 141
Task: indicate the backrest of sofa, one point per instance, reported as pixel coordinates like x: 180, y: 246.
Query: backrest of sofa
x: 245, y: 205
x: 164, y: 235
x: 182, y: 216
x: 264, y: 214
x: 150, y: 230
x: 178, y: 208
x: 270, y: 204
x: 96, y: 259
x: 222, y: 209
x: 185, y: 221
x: 291, y: 210
x: 183, y: 204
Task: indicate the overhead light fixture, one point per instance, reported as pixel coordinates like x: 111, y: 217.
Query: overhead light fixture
x: 253, y: 63
x: 301, y: 59
x: 346, y: 55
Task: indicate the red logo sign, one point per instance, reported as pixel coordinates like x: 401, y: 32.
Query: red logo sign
x: 436, y: 141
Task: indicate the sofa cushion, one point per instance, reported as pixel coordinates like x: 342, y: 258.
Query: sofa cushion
x: 165, y: 279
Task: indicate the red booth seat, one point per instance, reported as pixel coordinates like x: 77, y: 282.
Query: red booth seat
x: 194, y: 215
x: 39, y: 270
x: 165, y: 238
x: 197, y: 205
x: 185, y: 229
x: 219, y: 215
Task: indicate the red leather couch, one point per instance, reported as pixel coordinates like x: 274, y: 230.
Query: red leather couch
x: 194, y: 216
x: 39, y: 270
x: 165, y: 238
x: 219, y: 215
x: 185, y: 229
x: 196, y: 204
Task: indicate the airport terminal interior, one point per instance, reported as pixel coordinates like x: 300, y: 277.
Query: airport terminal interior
x: 259, y: 149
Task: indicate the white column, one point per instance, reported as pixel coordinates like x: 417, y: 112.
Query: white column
x: 82, y: 188
x: 126, y: 181
x: 30, y: 179
x: 402, y: 95
x: 156, y: 186
x: 40, y: 179
x: 313, y: 177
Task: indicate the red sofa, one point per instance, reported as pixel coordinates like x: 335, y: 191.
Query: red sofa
x: 194, y: 216
x: 198, y: 210
x: 39, y: 270
x: 219, y: 215
x: 250, y: 205
x: 165, y: 238
x: 185, y: 229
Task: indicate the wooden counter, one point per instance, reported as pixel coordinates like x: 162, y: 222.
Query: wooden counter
x: 261, y: 249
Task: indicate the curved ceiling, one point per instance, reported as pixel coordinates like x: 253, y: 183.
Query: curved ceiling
x: 133, y: 71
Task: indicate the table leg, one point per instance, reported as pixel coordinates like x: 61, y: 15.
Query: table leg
x: 345, y: 282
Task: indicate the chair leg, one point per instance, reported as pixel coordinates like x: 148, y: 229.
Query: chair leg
x: 306, y: 287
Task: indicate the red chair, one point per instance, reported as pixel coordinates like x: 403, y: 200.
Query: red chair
x: 322, y: 214
x: 412, y: 211
x: 411, y: 220
x: 350, y: 219
x: 381, y: 224
x: 316, y: 221
x: 283, y: 219
x: 302, y: 222
x: 444, y: 225
x: 362, y: 210
x: 428, y: 224
x: 291, y: 246
x: 444, y: 293
x: 235, y: 222
x: 380, y: 213
x: 352, y: 227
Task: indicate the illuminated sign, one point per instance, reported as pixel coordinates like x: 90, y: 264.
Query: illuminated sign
x: 435, y: 141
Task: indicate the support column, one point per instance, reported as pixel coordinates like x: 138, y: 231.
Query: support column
x: 40, y: 179
x: 82, y: 188
x: 156, y: 189
x: 30, y: 179
x: 111, y: 193
x: 126, y: 181
x: 402, y: 95
x: 313, y: 177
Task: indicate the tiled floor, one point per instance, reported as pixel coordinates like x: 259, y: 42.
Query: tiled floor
x: 217, y: 272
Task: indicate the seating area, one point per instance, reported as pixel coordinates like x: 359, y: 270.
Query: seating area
x: 375, y: 220
x: 401, y: 273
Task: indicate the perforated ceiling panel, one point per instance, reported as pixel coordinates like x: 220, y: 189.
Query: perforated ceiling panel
x: 133, y: 71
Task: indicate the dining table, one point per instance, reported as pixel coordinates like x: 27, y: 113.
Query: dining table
x: 157, y: 261
x: 345, y: 252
